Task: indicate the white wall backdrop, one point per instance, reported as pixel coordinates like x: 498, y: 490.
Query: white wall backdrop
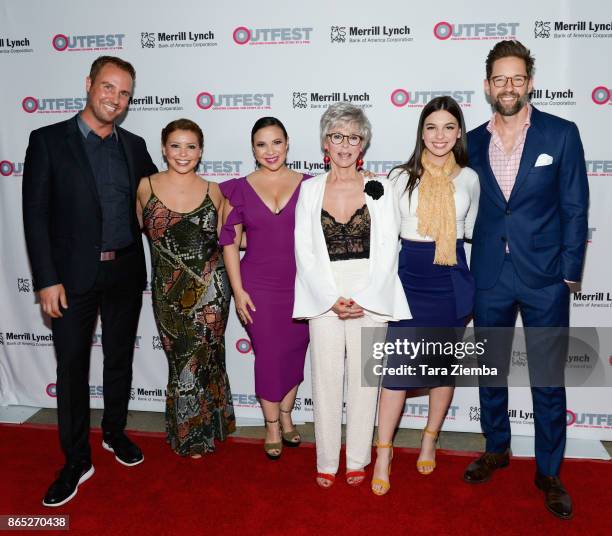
x: 226, y: 64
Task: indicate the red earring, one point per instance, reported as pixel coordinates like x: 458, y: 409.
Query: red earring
x: 326, y: 159
x: 359, y: 163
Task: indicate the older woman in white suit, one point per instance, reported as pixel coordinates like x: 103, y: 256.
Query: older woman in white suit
x: 346, y: 248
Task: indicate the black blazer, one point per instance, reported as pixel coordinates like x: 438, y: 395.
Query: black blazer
x: 61, y: 208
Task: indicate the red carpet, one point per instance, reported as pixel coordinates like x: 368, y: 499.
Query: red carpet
x: 237, y: 490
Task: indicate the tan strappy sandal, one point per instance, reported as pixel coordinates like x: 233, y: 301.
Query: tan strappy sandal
x: 385, y: 486
x: 272, y: 448
x: 426, y: 467
x: 291, y: 438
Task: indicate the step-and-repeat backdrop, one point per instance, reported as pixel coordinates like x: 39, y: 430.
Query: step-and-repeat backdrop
x: 224, y: 65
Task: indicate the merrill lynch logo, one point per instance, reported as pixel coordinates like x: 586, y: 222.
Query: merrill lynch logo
x: 541, y: 29
x: 300, y: 100
x: 338, y: 34
x: 147, y: 40
x: 23, y: 285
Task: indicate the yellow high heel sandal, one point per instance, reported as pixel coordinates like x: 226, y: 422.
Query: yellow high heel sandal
x: 423, y: 466
x: 384, y: 486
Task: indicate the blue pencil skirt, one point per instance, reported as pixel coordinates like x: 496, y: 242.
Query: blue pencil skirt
x: 440, y: 298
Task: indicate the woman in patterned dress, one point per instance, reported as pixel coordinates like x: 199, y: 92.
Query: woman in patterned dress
x: 191, y: 292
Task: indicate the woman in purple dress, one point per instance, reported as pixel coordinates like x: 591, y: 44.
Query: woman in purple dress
x: 263, y: 205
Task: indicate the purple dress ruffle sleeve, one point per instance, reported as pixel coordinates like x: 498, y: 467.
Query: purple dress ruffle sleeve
x: 268, y: 272
x: 232, y: 191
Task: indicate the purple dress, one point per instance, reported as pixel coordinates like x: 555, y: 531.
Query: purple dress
x: 268, y: 275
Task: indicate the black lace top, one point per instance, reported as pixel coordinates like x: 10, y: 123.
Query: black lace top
x: 350, y: 240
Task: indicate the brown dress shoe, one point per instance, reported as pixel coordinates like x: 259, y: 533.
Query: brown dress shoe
x: 557, y: 499
x: 480, y: 470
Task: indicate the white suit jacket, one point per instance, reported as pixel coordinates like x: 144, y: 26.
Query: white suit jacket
x: 315, y: 288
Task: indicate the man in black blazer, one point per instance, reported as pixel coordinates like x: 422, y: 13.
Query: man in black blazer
x: 83, y: 239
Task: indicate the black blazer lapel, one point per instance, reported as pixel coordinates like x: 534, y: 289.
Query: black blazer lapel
x: 128, y: 151
x: 75, y: 143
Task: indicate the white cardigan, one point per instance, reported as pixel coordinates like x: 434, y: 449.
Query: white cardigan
x: 315, y: 288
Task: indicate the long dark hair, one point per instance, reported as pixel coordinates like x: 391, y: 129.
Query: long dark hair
x: 413, y: 167
x: 264, y: 122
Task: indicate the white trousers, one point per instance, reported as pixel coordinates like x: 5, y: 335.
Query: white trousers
x: 330, y: 340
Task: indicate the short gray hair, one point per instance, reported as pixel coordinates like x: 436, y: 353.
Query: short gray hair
x: 344, y: 112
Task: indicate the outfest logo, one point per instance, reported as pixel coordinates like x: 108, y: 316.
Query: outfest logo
x: 602, y: 95
x: 51, y: 390
x: 599, y: 168
x: 214, y: 168
x: 219, y: 168
x: 419, y: 98
x: 591, y: 230
x: 8, y: 168
x: 412, y: 409
x: 475, y: 31
x: 271, y: 36
x: 588, y: 420
x: 245, y: 400
x: 56, y: 105
x: 87, y: 43
x: 234, y: 101
x: 381, y: 167
x: 244, y: 346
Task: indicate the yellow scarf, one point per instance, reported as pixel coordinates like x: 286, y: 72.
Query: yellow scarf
x: 436, y: 212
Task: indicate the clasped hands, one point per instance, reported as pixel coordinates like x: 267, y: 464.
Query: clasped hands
x: 346, y: 308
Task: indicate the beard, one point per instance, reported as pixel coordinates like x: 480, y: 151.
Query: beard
x: 515, y: 108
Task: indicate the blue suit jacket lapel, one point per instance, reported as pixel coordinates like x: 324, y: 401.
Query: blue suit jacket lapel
x: 534, y: 144
x: 490, y: 182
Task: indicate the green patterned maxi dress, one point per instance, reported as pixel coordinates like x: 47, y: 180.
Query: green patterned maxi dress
x: 191, y: 297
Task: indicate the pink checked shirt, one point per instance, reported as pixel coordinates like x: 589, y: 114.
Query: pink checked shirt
x: 505, y: 166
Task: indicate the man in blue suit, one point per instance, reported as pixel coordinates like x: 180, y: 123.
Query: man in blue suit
x: 528, y: 249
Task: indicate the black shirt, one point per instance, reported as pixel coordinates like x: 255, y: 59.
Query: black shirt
x: 109, y: 166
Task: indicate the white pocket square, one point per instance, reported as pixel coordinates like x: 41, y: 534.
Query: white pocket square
x: 543, y: 160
